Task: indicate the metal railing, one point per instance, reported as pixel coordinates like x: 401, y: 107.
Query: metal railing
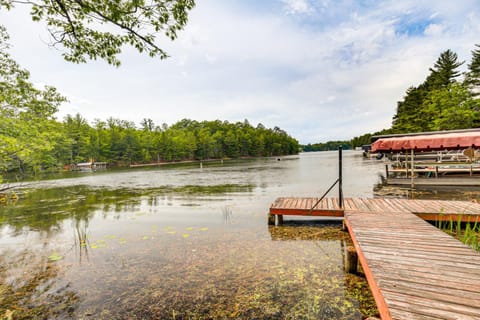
x: 340, y: 185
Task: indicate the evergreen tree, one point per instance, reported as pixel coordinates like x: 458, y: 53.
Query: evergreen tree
x: 411, y: 113
x: 445, y: 70
x: 451, y: 107
x: 472, y: 77
x: 408, y: 117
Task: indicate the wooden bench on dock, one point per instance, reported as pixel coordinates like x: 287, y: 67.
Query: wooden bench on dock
x: 415, y: 271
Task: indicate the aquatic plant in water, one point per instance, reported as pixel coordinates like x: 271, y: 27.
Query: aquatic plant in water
x: 466, y: 232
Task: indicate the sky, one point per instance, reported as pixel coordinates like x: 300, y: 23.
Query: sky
x: 319, y: 69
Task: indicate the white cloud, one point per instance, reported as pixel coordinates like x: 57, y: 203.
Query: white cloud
x: 434, y: 30
x: 297, y: 6
x: 332, y: 71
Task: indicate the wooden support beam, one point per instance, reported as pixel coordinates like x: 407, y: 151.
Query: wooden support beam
x: 279, y: 219
x: 351, y: 260
x: 271, y: 219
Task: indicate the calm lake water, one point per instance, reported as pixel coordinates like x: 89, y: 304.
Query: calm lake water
x: 182, y: 242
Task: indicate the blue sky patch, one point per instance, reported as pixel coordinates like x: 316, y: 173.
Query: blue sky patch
x: 413, y: 26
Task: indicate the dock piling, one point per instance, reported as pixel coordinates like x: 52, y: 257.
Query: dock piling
x: 271, y: 219
x: 279, y: 221
x: 340, y: 182
x: 351, y: 260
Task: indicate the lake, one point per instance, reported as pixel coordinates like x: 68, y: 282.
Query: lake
x: 182, y: 242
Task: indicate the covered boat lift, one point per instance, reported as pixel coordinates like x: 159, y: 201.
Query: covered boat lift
x: 446, y: 158
x: 428, y: 142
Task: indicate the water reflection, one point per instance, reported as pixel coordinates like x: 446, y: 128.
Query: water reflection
x: 180, y: 243
x: 81, y: 241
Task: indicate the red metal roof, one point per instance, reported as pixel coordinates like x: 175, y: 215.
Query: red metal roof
x: 428, y: 142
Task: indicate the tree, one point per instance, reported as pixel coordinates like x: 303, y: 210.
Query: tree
x: 77, y: 131
x: 445, y: 70
x: 28, y: 130
x: 409, y: 111
x: 92, y: 29
x: 410, y: 115
x: 451, y: 108
x: 472, y: 77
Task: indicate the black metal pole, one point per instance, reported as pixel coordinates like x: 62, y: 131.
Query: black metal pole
x: 340, y: 190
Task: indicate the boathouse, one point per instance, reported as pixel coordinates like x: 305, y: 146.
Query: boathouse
x: 88, y: 166
x: 441, y: 158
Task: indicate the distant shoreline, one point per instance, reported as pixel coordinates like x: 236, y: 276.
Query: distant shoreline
x: 163, y: 163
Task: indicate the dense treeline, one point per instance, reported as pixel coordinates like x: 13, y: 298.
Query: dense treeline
x: 31, y: 139
x: 329, y: 145
x: 118, y: 141
x: 442, y: 101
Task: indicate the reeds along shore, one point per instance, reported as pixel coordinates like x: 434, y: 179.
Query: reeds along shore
x: 466, y: 232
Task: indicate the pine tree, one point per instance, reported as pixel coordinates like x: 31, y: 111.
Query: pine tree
x: 472, y: 77
x: 410, y: 116
x: 445, y: 69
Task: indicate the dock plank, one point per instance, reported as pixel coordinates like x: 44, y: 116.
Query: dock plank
x: 411, y: 280
x: 433, y: 210
x: 414, y: 270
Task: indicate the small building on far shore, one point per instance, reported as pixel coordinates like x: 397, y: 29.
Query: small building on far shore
x: 88, y: 166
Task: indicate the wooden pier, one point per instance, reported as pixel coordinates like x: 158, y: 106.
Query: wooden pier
x: 431, y: 210
x: 415, y: 271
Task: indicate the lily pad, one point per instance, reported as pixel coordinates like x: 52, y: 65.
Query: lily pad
x: 98, y: 245
x: 55, y: 257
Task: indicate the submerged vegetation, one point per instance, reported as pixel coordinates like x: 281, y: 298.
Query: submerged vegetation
x: 121, y: 253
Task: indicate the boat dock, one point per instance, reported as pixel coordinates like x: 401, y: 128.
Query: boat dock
x: 431, y: 159
x: 431, y: 210
x: 415, y: 271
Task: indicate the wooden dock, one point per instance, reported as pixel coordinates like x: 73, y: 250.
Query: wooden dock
x: 431, y: 210
x: 414, y: 270
x: 436, y: 182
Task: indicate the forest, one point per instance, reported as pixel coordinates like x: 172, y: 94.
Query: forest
x: 446, y: 100
x: 32, y: 140
x: 121, y: 142
x: 326, y: 146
